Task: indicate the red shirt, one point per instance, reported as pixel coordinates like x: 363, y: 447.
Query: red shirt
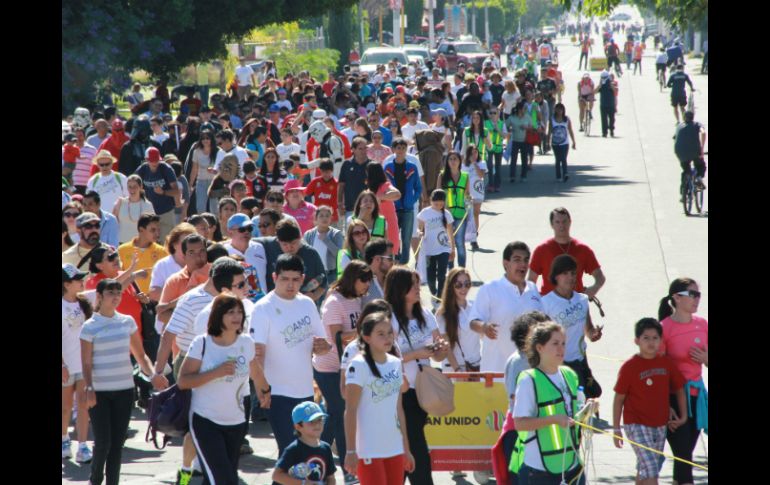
x: 324, y: 193
x: 647, y: 383
x: 545, y: 253
x: 129, y: 305
x: 328, y: 87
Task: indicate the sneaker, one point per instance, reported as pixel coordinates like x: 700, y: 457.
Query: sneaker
x: 246, y: 448
x: 612, y: 133
x: 590, y: 115
x: 196, y: 468
x: 581, y: 128
x: 66, y: 449
x: 84, y: 454
x: 512, y: 179
x: 183, y: 477
x: 474, y: 246
x: 350, y: 479
x: 566, y: 177
x: 699, y: 184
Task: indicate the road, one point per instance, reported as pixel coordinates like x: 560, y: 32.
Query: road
x: 623, y: 197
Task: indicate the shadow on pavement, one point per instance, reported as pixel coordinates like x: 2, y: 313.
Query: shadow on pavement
x: 541, y: 182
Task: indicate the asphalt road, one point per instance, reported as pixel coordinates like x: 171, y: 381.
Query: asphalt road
x: 623, y: 197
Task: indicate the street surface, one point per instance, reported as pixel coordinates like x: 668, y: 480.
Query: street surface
x: 623, y: 197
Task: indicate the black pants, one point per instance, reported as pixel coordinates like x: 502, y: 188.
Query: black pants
x: 516, y: 148
x: 705, y: 63
x: 218, y: 449
x: 638, y: 63
x: 583, y: 55
x: 509, y: 441
x: 608, y: 119
x: 437, y: 266
x: 495, y: 164
x: 560, y: 156
x: 683, y: 440
x: 109, y: 421
x: 418, y: 445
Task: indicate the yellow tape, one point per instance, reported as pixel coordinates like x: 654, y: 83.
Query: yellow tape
x: 611, y: 359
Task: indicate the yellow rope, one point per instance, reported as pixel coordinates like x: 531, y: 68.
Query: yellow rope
x: 611, y: 359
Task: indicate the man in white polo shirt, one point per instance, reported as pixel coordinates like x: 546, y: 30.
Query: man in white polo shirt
x: 246, y: 78
x: 499, y: 302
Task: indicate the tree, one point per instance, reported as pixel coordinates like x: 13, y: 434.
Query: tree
x: 340, y: 39
x: 680, y: 13
x: 106, y: 40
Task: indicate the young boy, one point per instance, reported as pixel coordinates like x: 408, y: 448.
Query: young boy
x: 306, y: 459
x: 287, y: 146
x: 324, y: 188
x: 642, y: 394
x: 256, y: 186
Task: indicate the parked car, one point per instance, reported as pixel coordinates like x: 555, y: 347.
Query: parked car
x: 382, y: 55
x: 548, y: 31
x: 467, y: 52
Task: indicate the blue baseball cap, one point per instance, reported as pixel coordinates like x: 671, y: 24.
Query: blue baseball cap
x: 306, y: 412
x: 237, y: 221
x: 274, y: 108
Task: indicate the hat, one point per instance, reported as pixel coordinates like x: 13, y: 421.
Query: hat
x: 306, y: 412
x: 281, y: 91
x: 70, y: 137
x: 104, y: 154
x: 548, y: 63
x: 388, y: 90
x: 441, y: 112
x: 152, y: 155
x: 319, y: 114
x: 400, y: 89
x: 69, y: 273
x: 205, y: 109
x: 170, y: 158
x: 414, y: 104
x: 236, y: 221
x: 585, y: 74
x: 350, y: 111
x: 605, y: 75
x: 274, y: 108
x: 85, y: 218
x: 117, y: 125
x: 469, y: 77
x: 293, y: 185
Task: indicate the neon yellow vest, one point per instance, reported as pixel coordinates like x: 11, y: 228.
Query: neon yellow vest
x: 340, y: 269
x: 551, y: 440
x: 496, y: 135
x: 379, y: 227
x: 455, y: 195
x: 480, y: 144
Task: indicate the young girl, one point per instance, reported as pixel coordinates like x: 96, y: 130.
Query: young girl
x: 354, y: 347
x: 435, y: 227
x: 375, y: 420
x: 476, y: 168
x: 570, y: 309
x: 296, y: 206
x: 453, y: 318
x: 272, y: 170
x: 378, y: 182
x: 356, y: 237
x: 546, y: 402
x: 75, y: 309
x: 557, y: 133
x: 127, y: 210
x: 367, y: 209
x: 204, y: 156
x: 477, y: 136
x: 227, y: 207
x: 455, y: 182
x: 685, y: 341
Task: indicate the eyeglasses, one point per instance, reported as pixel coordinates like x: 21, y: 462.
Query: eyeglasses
x: 458, y: 285
x: 690, y: 293
x: 274, y: 200
x: 240, y: 285
x: 265, y: 225
x: 110, y: 257
x: 359, y: 233
x: 249, y: 228
x: 92, y: 225
x: 71, y: 214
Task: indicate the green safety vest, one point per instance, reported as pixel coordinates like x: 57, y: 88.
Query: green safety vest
x: 117, y: 179
x: 455, y: 195
x: 496, y: 135
x: 480, y: 144
x: 340, y: 269
x: 379, y: 227
x: 553, y: 440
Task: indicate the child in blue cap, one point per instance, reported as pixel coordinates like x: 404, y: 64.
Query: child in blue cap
x: 307, y: 459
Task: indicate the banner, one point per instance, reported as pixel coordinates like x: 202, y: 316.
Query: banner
x: 463, y: 439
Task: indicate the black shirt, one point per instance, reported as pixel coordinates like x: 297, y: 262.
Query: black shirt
x: 399, y: 174
x: 353, y: 175
x: 319, y: 460
x: 497, y: 93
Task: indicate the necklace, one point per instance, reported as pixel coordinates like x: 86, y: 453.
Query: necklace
x: 565, y: 251
x: 130, y: 217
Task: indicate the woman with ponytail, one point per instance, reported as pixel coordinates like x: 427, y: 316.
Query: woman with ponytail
x: 381, y: 451
x: 685, y: 341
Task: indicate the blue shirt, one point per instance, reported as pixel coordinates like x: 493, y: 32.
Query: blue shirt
x: 387, y: 136
x: 163, y: 178
x: 110, y: 229
x: 236, y: 121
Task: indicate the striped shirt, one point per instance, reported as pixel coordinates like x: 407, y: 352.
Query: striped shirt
x: 82, y: 171
x: 182, y: 323
x: 110, y: 337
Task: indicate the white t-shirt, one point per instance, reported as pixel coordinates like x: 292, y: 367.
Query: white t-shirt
x: 351, y: 350
x: 182, y: 322
x: 109, y: 187
x: 284, y: 151
x: 244, y: 73
x: 159, y: 138
x: 287, y: 328
x: 475, y: 183
x: 469, y: 342
x: 418, y: 338
x: 509, y: 101
x: 500, y: 302
x: 162, y: 270
x: 517, y: 363
x: 239, y: 152
x: 72, y: 318
x: 572, y: 315
x: 436, y: 240
x: 202, y: 320
x: 378, y: 434
x: 408, y: 130
x: 221, y: 400
x: 525, y: 406
x: 322, y: 249
x: 350, y: 133
x: 255, y: 256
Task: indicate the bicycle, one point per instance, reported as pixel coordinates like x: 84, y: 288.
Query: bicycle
x: 691, y: 101
x: 691, y: 192
x: 587, y: 119
x: 662, y: 79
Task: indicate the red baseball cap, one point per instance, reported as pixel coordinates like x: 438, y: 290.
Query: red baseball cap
x: 152, y: 155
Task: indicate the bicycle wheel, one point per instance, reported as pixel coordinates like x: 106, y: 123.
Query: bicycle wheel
x: 587, y: 125
x: 688, y: 196
x: 699, y: 201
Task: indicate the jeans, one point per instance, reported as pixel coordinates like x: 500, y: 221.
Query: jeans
x: 279, y: 416
x: 628, y: 60
x: 109, y: 422
x: 583, y: 55
x: 334, y: 428
x: 459, y: 236
x: 519, y: 147
x: 418, y: 445
x: 509, y: 441
x: 682, y: 441
x: 218, y: 449
x: 608, y: 119
x: 495, y: 163
x: 530, y: 476
x: 560, y: 155
x: 201, y: 197
x: 406, y: 224
x: 638, y: 63
x: 705, y: 64
x: 437, y: 266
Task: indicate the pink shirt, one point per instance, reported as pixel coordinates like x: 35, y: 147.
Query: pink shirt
x: 336, y: 310
x: 304, y: 215
x: 388, y: 210
x: 378, y: 154
x: 677, y: 340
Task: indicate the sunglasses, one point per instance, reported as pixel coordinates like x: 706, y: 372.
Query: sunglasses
x: 111, y: 257
x: 690, y: 293
x: 274, y: 199
x: 91, y: 225
x: 359, y: 233
x: 240, y: 285
x: 266, y: 225
x: 105, y: 165
x: 458, y: 285
x: 71, y: 214
x: 249, y: 228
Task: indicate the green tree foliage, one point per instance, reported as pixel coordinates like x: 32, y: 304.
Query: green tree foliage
x: 681, y: 13
x: 340, y: 34
x: 106, y: 40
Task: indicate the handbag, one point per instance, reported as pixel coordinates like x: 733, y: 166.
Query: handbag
x: 532, y: 137
x: 148, y: 317
x: 435, y: 391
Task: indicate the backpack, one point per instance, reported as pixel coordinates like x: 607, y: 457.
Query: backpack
x: 117, y: 179
x: 169, y: 412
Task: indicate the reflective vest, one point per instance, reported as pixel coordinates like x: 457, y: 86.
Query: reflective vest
x: 496, y: 134
x: 552, y: 440
x: 480, y: 144
x: 545, y: 52
x: 340, y: 269
x: 455, y: 195
x: 379, y: 227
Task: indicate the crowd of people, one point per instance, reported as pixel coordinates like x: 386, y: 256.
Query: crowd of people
x: 255, y: 248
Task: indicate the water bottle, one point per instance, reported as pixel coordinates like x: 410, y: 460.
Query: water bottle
x: 300, y: 471
x: 581, y: 398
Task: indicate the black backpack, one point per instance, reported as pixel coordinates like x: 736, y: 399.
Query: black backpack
x: 169, y: 412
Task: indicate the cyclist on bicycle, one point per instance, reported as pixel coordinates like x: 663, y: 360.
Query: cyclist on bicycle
x: 545, y: 52
x: 660, y: 63
x: 675, y: 53
x: 690, y: 138
x: 612, y: 51
x: 585, y: 96
x: 677, y: 82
